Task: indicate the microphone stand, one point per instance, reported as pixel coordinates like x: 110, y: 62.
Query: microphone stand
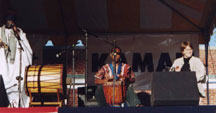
x: 19, y: 77
x: 114, y: 70
x: 86, y: 60
x: 72, y: 80
x: 73, y: 74
x: 86, y: 67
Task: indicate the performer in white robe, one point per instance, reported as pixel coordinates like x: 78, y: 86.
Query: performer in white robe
x: 10, y: 63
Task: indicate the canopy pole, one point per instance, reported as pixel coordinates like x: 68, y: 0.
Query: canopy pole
x: 207, y: 82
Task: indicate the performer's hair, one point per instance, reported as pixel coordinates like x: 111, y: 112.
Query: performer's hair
x: 185, y: 44
x: 10, y: 15
x: 112, y: 50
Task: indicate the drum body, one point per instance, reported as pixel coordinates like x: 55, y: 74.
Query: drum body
x: 120, y: 92
x: 44, y: 79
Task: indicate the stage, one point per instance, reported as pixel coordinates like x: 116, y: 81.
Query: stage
x: 164, y: 109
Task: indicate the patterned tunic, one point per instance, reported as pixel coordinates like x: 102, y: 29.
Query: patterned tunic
x: 106, y: 72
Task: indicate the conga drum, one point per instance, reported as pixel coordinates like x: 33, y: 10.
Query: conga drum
x: 120, y: 92
x: 44, y: 79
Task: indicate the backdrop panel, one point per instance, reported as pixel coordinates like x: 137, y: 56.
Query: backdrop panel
x: 145, y: 53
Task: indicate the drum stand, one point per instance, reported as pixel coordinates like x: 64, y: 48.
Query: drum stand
x: 58, y: 102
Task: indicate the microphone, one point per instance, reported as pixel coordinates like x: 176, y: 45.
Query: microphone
x: 65, y: 50
x: 90, y: 33
x: 114, y: 53
x: 16, y: 31
x: 12, y: 25
x: 172, y: 69
x: 58, y: 55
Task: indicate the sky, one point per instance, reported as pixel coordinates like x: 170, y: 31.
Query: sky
x: 212, y: 41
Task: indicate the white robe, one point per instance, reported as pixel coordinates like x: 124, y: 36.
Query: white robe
x: 10, y: 71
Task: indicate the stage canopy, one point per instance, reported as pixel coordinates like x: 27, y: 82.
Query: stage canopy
x: 70, y: 17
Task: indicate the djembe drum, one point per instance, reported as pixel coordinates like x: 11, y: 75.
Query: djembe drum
x: 120, y: 92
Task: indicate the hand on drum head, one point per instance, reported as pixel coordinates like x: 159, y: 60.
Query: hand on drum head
x: 122, y: 78
x: 110, y: 79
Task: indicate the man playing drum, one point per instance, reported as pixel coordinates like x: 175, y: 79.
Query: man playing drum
x: 123, y: 76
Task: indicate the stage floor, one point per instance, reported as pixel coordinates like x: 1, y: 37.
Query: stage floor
x: 164, y: 109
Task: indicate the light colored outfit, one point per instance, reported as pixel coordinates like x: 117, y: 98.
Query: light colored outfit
x: 10, y: 64
x: 196, y: 66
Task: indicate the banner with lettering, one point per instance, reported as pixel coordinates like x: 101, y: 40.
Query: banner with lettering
x: 145, y: 54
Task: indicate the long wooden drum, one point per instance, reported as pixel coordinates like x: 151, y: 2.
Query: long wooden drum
x: 120, y: 92
x: 44, y: 78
